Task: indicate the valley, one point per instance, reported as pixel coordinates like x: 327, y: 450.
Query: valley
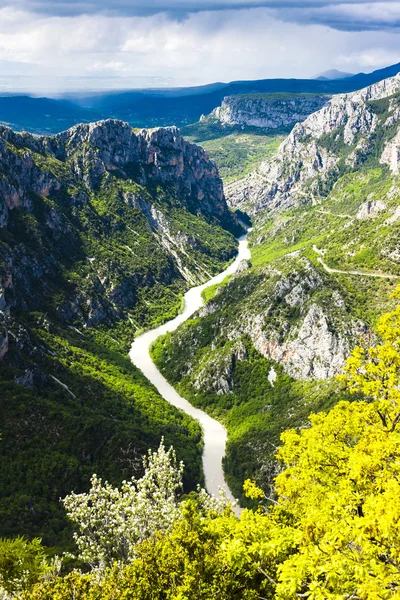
x: 137, y: 311
x: 102, y: 232
x: 292, y: 310
x: 237, y: 151
x: 214, y: 434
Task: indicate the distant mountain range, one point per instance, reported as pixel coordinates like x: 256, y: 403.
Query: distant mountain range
x: 159, y: 107
x: 333, y: 74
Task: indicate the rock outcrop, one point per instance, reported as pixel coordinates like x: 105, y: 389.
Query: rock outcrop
x: 3, y: 342
x: 98, y: 213
x: 266, y: 110
x: 93, y: 152
x: 342, y: 131
x: 287, y: 313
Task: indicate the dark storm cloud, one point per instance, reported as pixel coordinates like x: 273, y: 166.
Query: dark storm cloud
x: 348, y: 15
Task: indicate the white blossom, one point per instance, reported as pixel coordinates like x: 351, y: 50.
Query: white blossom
x: 112, y: 521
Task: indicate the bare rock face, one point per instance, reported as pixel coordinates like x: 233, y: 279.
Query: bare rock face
x: 3, y: 342
x: 58, y: 193
x: 156, y: 156
x: 370, y: 209
x: 95, y: 151
x: 26, y: 379
x: 316, y: 351
x: 291, y: 177
x: 259, y: 110
x: 391, y: 154
x: 287, y: 321
x: 20, y: 175
x: 312, y: 347
x: 216, y: 375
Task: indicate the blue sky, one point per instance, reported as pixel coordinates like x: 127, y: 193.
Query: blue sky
x: 56, y: 45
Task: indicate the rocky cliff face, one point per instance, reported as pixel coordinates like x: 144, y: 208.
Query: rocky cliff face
x: 286, y: 312
x: 338, y: 137
x: 95, y: 152
x: 99, y: 217
x: 101, y: 231
x: 266, y: 111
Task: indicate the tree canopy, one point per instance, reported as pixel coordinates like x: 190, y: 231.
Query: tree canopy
x: 331, y: 532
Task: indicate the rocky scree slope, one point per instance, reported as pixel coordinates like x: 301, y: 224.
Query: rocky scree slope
x: 267, y: 111
x: 264, y: 351
x: 101, y: 231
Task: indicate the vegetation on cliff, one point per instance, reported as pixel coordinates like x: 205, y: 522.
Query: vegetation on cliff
x: 329, y: 531
x: 96, y: 243
x: 265, y: 349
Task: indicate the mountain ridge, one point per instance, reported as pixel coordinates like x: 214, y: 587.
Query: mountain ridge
x: 148, y: 108
x: 324, y: 260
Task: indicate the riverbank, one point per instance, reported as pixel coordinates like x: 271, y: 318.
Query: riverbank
x: 215, y: 435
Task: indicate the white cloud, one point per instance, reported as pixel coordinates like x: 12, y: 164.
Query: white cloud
x: 206, y: 46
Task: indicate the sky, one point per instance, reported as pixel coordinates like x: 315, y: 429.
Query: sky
x: 52, y: 46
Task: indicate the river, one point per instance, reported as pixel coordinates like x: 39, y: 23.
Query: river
x: 214, y: 433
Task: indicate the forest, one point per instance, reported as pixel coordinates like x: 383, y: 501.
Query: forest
x: 328, y: 529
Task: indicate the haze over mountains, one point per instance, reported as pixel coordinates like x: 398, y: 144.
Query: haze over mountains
x: 333, y: 74
x: 159, y: 107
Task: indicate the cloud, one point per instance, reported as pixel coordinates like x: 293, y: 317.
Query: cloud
x: 350, y: 16
x: 347, y: 14
x: 102, y: 50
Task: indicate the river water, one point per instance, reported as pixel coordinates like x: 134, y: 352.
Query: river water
x: 214, y: 433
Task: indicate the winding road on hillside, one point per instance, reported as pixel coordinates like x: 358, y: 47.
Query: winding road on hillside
x: 352, y: 272
x: 215, y: 435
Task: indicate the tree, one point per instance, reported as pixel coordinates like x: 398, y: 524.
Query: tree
x: 340, y: 489
x: 333, y: 532
x: 22, y: 563
x: 112, y: 521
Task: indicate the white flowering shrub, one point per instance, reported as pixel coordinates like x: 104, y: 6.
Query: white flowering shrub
x: 112, y: 521
x: 213, y: 505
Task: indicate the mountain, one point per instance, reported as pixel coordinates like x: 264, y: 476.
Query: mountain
x: 339, y: 137
x: 325, y: 259
x: 151, y: 108
x: 41, y: 115
x: 333, y: 74
x: 267, y: 111
x: 101, y: 231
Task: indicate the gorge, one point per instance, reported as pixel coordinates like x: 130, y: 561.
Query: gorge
x: 214, y: 433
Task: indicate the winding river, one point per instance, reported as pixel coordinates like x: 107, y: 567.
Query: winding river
x: 215, y: 435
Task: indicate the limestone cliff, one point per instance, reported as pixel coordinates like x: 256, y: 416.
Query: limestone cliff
x: 97, y: 221
x: 337, y: 137
x: 94, y: 152
x: 267, y: 111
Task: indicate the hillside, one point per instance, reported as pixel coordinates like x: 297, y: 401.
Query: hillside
x: 325, y: 257
x: 236, y: 151
x: 101, y: 231
x: 247, y: 128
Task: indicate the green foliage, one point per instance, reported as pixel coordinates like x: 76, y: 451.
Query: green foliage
x: 254, y: 412
x: 235, y: 150
x: 111, y: 522
x: 52, y: 441
x: 22, y: 564
x: 333, y: 225
x: 201, y: 558
x: 332, y: 530
x: 210, y: 291
x: 90, y: 270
